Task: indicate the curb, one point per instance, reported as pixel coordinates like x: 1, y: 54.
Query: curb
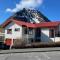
x: 29, y: 50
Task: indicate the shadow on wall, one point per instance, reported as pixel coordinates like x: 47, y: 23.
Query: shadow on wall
x: 45, y: 38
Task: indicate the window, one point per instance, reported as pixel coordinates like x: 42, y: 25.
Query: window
x: 38, y: 32
x: 17, y: 29
x: 9, y: 31
x: 25, y: 30
x: 51, y: 33
x: 57, y: 33
x: 30, y: 31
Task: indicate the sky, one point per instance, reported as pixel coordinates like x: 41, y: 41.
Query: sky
x: 50, y: 8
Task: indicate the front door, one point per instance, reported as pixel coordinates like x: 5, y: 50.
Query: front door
x: 38, y: 35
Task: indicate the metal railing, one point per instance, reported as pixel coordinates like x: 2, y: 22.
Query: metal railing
x: 2, y: 34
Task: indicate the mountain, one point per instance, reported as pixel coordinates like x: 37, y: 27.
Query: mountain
x: 30, y: 15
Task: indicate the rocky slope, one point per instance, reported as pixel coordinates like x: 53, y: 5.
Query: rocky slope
x: 30, y: 15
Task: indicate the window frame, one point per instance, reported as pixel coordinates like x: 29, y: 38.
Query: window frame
x: 9, y: 31
x: 51, y: 33
x: 57, y: 34
x: 25, y: 30
x: 30, y: 31
x: 17, y: 29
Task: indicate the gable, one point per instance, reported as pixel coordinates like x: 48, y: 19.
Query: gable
x: 12, y: 25
x: 9, y: 25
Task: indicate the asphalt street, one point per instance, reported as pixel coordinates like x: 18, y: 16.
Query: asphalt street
x: 54, y: 55
x: 29, y: 50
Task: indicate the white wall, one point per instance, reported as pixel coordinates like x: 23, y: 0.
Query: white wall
x: 15, y: 34
x: 19, y: 34
x: 57, y: 39
x: 45, y: 36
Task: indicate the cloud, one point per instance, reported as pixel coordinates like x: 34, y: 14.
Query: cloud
x: 26, y: 4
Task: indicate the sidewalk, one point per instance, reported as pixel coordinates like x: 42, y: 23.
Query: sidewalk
x: 29, y: 50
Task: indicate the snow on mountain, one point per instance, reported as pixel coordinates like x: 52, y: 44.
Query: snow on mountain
x: 30, y: 15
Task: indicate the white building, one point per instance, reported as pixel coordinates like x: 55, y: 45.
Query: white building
x: 1, y: 35
x: 30, y: 32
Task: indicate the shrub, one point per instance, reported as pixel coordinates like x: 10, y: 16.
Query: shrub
x: 18, y: 43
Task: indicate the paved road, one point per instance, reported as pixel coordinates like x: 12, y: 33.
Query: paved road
x: 55, y: 55
x: 29, y: 50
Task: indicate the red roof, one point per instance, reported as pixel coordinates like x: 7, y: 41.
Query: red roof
x: 48, y: 24
x: 36, y: 25
x: 24, y: 23
x: 6, y: 23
